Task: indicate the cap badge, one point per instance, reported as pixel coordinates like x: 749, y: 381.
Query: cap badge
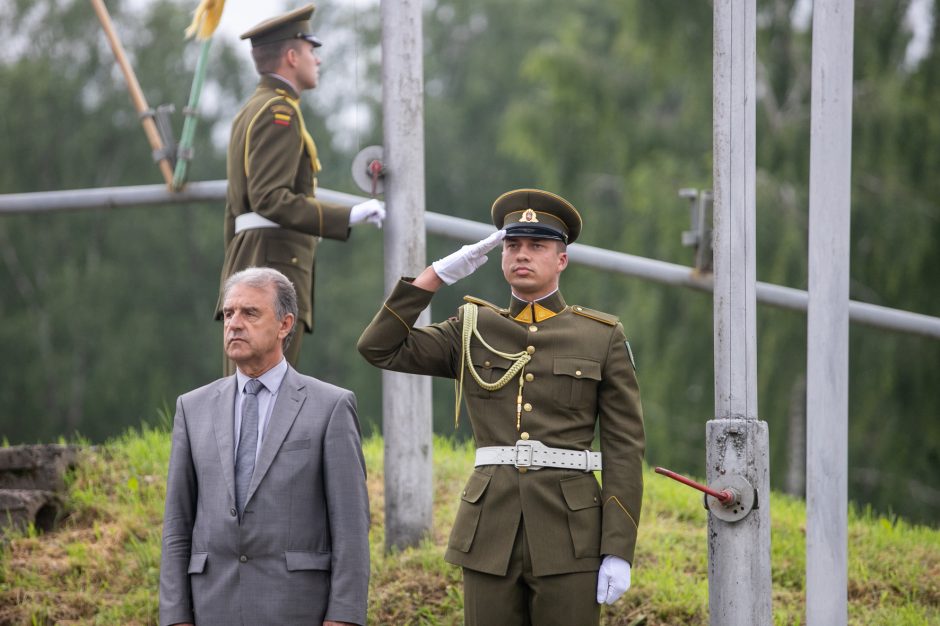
x: 529, y: 217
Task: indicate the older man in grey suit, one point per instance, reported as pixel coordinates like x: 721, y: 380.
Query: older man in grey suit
x: 267, y: 515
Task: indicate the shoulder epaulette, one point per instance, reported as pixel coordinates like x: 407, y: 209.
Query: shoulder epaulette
x: 597, y: 316
x: 489, y: 305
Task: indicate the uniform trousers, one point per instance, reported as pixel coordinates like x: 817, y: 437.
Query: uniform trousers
x: 522, y: 599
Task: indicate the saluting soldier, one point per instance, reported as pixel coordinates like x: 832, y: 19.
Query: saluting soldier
x: 272, y: 216
x: 540, y: 542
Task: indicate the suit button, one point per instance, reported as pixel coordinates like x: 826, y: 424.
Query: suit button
x: 527, y: 406
x: 293, y: 260
x: 486, y: 363
x: 524, y: 436
x: 533, y: 328
x: 234, y: 513
x: 530, y: 349
x: 523, y: 470
x: 577, y: 372
x: 529, y: 378
x: 243, y: 558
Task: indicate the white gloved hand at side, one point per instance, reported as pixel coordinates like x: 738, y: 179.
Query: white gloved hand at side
x: 372, y: 211
x: 613, y: 579
x: 465, y: 261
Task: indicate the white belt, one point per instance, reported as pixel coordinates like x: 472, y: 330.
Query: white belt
x: 536, y: 455
x: 246, y: 221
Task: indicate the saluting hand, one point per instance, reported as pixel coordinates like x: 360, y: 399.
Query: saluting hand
x: 465, y: 261
x: 613, y: 579
x: 372, y: 211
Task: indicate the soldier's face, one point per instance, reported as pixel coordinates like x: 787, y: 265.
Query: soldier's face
x: 532, y: 266
x: 308, y: 66
x: 253, y: 334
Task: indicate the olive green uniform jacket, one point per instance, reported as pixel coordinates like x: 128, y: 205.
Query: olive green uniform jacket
x: 581, y: 374
x: 272, y: 171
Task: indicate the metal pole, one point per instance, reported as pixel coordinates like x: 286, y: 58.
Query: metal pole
x: 828, y: 315
x: 406, y: 399
x: 463, y: 230
x: 737, y: 442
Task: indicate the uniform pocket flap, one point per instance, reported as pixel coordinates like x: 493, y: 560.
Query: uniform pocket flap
x: 484, y: 359
x: 287, y: 252
x: 577, y: 367
x: 197, y: 562
x: 581, y: 492
x: 302, y: 560
x: 475, y: 486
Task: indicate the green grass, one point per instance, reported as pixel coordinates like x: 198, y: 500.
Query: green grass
x: 101, y: 566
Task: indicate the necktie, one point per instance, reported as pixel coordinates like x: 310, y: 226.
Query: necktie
x: 247, y: 443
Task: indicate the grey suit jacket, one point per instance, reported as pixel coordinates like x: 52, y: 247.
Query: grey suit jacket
x: 300, y: 553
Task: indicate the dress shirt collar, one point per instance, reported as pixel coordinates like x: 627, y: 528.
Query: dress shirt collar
x: 271, y: 379
x: 276, y: 81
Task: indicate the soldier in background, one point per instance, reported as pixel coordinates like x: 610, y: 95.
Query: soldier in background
x: 540, y: 542
x: 272, y: 217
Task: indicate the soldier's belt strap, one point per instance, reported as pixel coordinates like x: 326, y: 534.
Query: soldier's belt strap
x: 536, y: 455
x: 247, y: 221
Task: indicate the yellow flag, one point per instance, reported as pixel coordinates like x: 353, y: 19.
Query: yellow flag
x: 206, y: 19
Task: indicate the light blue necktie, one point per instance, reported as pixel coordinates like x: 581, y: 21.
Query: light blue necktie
x: 247, y: 443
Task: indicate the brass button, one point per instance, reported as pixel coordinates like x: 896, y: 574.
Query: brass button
x: 465, y: 493
x: 577, y: 308
x: 530, y: 349
x: 293, y: 260
x: 486, y: 363
x: 524, y: 436
x: 523, y: 470
x: 527, y: 406
x: 577, y: 372
x: 595, y: 498
x: 529, y: 378
x: 533, y: 328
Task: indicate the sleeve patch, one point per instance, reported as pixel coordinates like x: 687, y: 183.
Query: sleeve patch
x: 282, y: 120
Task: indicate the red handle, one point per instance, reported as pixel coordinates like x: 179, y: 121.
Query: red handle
x: 722, y: 496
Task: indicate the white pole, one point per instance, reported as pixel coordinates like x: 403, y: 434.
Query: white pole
x: 406, y: 399
x: 737, y: 442
x: 828, y: 315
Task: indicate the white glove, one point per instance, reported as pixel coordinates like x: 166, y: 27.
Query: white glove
x: 372, y: 211
x: 613, y: 579
x: 465, y: 261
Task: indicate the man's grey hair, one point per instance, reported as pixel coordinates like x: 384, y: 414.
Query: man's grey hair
x: 285, y: 296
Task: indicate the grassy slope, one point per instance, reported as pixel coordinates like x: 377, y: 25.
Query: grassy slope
x: 102, y: 565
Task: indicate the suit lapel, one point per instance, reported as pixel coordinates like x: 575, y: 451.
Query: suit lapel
x: 286, y: 407
x: 224, y: 424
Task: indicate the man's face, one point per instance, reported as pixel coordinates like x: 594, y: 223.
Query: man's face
x: 532, y: 266
x: 253, y: 334
x: 308, y: 66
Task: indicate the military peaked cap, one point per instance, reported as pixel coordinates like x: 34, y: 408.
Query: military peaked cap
x: 292, y: 25
x: 538, y: 214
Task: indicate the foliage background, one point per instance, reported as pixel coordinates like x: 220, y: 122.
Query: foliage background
x: 107, y: 314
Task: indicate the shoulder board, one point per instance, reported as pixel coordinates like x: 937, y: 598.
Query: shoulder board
x: 597, y: 316
x: 482, y: 302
